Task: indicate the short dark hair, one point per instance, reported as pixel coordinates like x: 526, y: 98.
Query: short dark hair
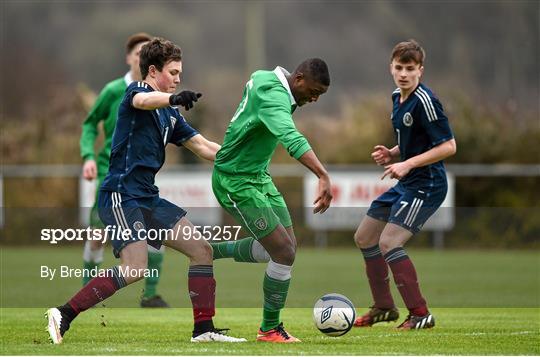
x: 135, y: 39
x: 408, y: 51
x: 316, y: 69
x: 158, y: 52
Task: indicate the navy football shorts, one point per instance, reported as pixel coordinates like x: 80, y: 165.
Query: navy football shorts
x: 147, y: 218
x: 408, y: 208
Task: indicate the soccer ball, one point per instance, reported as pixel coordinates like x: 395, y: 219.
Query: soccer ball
x: 334, y: 314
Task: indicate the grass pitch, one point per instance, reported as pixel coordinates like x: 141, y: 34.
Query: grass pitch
x: 132, y: 331
x: 485, y: 303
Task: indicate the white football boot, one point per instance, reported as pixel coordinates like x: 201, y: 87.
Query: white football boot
x: 216, y: 335
x: 57, y: 325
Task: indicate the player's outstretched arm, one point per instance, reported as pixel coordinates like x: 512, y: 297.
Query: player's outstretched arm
x: 324, y: 193
x: 202, y: 147
x: 151, y: 100
x: 155, y: 100
x: 435, y: 154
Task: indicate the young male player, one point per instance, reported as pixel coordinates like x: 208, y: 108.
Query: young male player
x: 243, y: 186
x: 424, y: 139
x: 147, y: 122
x: 105, y: 110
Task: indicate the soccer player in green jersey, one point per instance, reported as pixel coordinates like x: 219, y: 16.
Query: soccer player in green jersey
x: 105, y: 110
x: 243, y: 186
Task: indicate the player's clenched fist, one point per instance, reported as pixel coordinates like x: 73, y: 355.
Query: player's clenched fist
x: 185, y: 99
x: 381, y: 155
x: 89, y: 170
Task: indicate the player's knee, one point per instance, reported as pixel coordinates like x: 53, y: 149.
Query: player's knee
x: 358, y: 240
x: 287, y: 254
x: 292, y: 237
x: 135, y: 261
x: 386, y: 244
x: 208, y: 251
x: 201, y: 252
x: 364, y: 240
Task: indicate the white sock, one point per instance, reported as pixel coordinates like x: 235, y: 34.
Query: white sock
x: 259, y: 253
x: 90, y: 255
x: 151, y: 249
x: 278, y: 271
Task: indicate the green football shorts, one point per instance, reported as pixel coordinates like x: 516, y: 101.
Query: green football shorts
x: 255, y: 203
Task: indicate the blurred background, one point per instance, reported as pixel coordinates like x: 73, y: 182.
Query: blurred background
x: 482, y: 61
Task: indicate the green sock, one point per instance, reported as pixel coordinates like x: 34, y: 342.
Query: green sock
x: 275, y: 294
x: 223, y: 249
x: 150, y: 283
x: 89, y: 266
x: 240, y: 250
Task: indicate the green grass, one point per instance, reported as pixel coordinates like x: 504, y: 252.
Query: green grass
x: 450, y: 278
x: 166, y: 332
x: 485, y: 303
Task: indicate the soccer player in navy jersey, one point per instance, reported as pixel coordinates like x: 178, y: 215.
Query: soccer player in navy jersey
x: 424, y: 139
x: 129, y: 200
x: 105, y: 111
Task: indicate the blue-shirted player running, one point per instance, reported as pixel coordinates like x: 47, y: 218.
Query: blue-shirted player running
x: 147, y: 122
x: 424, y: 139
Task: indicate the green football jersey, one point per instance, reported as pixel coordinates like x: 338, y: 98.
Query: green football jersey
x: 104, y: 109
x: 263, y: 119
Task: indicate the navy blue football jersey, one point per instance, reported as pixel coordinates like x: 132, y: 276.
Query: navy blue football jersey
x: 138, y: 144
x: 420, y: 124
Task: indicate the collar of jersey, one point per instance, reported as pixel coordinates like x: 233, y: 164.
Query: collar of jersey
x: 128, y: 79
x: 281, y: 73
x: 398, y: 91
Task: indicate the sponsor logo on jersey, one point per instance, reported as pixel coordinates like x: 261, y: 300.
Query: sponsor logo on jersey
x: 407, y: 119
x: 261, y: 224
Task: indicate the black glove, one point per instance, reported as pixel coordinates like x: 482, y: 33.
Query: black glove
x: 185, y: 98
